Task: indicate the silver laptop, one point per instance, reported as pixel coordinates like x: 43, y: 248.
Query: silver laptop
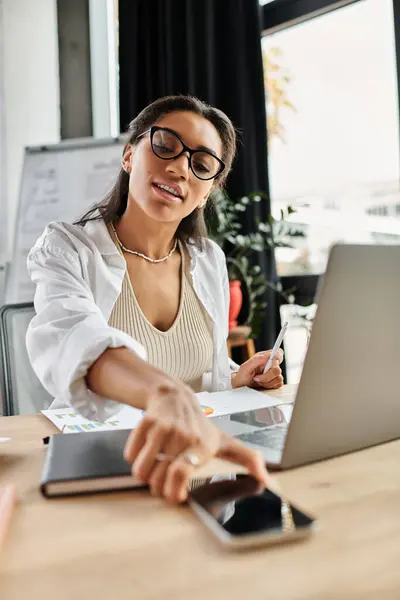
x: 348, y: 397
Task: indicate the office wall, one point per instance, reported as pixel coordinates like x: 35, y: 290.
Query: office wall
x: 74, y: 68
x: 2, y: 137
x: 30, y: 90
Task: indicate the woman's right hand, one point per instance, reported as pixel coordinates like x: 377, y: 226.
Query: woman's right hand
x: 175, y: 426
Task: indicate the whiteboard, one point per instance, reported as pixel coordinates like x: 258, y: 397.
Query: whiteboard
x: 58, y: 183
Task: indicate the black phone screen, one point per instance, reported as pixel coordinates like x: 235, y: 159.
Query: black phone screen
x: 244, y: 506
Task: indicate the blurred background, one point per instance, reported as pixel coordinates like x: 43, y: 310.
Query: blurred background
x: 311, y: 84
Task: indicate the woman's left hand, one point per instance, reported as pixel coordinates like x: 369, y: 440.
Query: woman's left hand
x: 251, y: 373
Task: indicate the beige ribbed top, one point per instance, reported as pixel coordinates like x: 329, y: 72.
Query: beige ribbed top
x: 185, y: 350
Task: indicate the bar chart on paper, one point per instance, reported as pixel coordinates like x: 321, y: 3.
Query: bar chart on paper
x: 70, y: 421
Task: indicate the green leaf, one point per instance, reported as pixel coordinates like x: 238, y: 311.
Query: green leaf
x: 255, y: 269
x: 258, y: 291
x: 230, y: 238
x: 258, y: 196
x: 257, y: 247
x: 264, y: 227
x: 245, y: 263
x: 240, y: 240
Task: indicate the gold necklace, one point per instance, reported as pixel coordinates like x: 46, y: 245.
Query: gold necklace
x: 152, y: 260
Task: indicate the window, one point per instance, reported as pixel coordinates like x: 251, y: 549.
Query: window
x: 333, y: 130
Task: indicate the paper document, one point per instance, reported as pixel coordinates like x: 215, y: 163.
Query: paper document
x: 238, y: 400
x: 69, y: 421
x: 214, y: 404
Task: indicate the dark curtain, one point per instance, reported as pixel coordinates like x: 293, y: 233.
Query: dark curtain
x: 210, y: 49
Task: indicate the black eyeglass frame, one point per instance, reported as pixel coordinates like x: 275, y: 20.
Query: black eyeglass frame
x: 185, y: 148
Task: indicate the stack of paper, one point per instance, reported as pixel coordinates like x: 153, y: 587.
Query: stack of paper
x: 214, y: 405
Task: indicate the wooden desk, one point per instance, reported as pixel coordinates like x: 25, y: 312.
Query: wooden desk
x: 130, y: 545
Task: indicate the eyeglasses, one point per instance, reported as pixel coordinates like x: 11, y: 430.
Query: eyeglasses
x: 167, y: 145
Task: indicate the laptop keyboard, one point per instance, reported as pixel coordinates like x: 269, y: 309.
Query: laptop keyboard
x: 271, y: 437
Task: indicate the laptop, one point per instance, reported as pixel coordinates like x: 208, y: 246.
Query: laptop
x: 348, y: 396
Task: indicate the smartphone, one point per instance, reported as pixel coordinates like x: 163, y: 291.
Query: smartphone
x: 242, y: 513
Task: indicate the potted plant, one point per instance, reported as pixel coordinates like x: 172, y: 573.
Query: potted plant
x: 245, y: 277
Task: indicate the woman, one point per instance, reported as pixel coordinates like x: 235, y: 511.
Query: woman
x: 132, y: 301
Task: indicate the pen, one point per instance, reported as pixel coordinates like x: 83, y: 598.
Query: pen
x: 278, y: 342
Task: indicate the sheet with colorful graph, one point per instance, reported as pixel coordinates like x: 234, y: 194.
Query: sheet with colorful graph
x: 69, y: 421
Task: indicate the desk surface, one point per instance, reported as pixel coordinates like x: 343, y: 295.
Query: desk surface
x: 130, y: 545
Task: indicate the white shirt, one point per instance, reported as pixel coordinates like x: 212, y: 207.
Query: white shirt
x: 78, y: 273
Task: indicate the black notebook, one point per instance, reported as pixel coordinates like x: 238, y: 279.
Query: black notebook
x: 81, y: 463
